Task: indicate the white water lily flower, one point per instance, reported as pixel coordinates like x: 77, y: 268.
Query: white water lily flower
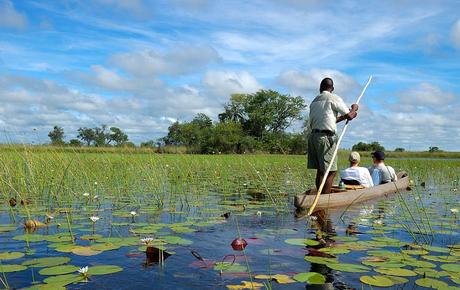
x: 259, y: 213
x: 83, y: 270
x: 95, y: 183
x: 96, y: 197
x: 454, y: 210
x: 133, y: 213
x: 94, y: 218
x: 378, y: 222
x: 86, y: 194
x: 313, y: 218
x: 146, y: 240
x: 49, y: 216
x: 366, y: 211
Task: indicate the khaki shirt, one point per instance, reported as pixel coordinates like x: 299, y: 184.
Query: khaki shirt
x: 324, y: 111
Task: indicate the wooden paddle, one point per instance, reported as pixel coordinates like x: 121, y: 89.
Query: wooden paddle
x: 323, y: 181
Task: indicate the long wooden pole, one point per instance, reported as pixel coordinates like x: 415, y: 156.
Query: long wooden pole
x: 323, y: 181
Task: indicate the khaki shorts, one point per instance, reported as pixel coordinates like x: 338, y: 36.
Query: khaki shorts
x: 321, y: 147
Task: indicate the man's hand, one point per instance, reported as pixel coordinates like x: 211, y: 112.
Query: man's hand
x: 351, y: 115
x: 354, y: 107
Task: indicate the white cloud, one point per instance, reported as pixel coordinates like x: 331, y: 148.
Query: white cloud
x: 136, y: 7
x: 181, y: 60
x: 299, y: 82
x: 455, y: 34
x: 424, y: 96
x: 11, y: 18
x: 225, y: 83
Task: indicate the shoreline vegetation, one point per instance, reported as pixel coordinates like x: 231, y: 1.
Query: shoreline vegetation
x: 172, y: 149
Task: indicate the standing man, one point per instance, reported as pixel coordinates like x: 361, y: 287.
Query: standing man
x: 326, y: 110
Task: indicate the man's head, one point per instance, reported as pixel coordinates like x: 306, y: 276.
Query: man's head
x: 378, y: 156
x: 327, y: 84
x: 354, y: 158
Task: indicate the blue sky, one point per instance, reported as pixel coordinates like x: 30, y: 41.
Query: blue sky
x: 142, y: 64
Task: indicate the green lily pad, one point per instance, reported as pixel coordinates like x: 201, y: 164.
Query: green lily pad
x: 104, y: 247
x: 429, y: 272
x: 455, y: 268
x: 352, y: 268
x: 229, y: 267
x: 104, y: 269
x: 46, y: 262
x: 396, y: 272
x: 436, y: 249
x: 31, y: 238
x: 90, y: 237
x: 302, y: 242
x: 419, y: 264
x: 415, y: 252
x: 8, y: 268
x: 345, y: 239
x: 58, y: 270
x: 431, y: 283
x: 11, y: 255
x: 7, y: 228
x: 59, y: 238
x: 320, y: 260
x: 334, y: 251
x: 380, y: 281
x: 63, y: 280
x: 442, y: 259
x: 176, y: 240
x: 397, y: 280
x: 310, y: 278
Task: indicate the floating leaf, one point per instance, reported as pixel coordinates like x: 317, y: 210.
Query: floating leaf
x: 85, y: 251
x: 310, y: 278
x: 229, y: 267
x: 176, y: 240
x: 320, y: 260
x: 380, y: 281
x: 11, y: 255
x: 7, y: 228
x: 63, y: 280
x: 436, y: 249
x: 46, y: 262
x: 58, y: 270
x: 429, y: 272
x: 8, y: 268
x: 443, y: 259
x: 343, y: 267
x: 396, y: 272
x: 397, y: 280
x: 430, y: 283
x: 455, y: 268
x: 246, y: 285
x: 302, y: 242
x: 419, y: 264
x: 90, y: 237
x: 104, y: 247
x: 344, y: 239
x: 104, y: 269
x: 333, y: 250
x: 279, y: 278
x: 30, y: 238
x: 415, y: 252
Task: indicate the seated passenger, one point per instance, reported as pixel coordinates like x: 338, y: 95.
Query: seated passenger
x: 380, y: 172
x: 356, y: 175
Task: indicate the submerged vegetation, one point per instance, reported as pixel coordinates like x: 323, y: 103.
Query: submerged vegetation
x: 208, y: 221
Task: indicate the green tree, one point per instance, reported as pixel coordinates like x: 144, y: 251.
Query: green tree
x: 263, y: 111
x: 75, y: 143
x: 148, y: 144
x: 434, y: 149
x: 57, y: 136
x: 117, y: 135
x: 400, y: 149
x: 225, y: 137
x: 374, y: 146
x: 87, y: 135
x: 101, y: 136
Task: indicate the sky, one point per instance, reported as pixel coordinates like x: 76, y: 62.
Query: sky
x: 142, y: 64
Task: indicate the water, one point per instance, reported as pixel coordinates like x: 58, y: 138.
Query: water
x: 389, y: 224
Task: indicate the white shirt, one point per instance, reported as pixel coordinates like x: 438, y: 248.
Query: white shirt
x: 324, y: 111
x: 360, y: 174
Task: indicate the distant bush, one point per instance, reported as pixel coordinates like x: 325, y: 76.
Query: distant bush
x: 399, y: 149
x: 374, y: 146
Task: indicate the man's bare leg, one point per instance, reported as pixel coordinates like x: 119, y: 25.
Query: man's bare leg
x: 328, y: 185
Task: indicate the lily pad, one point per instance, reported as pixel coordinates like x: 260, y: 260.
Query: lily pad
x: 8, y: 268
x: 279, y: 278
x: 380, y: 281
x: 7, y: 228
x: 396, y: 272
x: 333, y: 250
x: 63, y: 280
x: 310, y: 278
x: 58, y: 270
x: 352, y: 268
x: 455, y: 268
x: 11, y: 255
x: 104, y: 269
x: 320, y: 260
x: 302, y: 242
x: 246, y: 285
x: 85, y: 251
x: 30, y: 238
x: 431, y: 283
x: 229, y: 267
x: 46, y: 262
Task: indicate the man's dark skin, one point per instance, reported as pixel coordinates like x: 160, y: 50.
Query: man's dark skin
x: 328, y: 85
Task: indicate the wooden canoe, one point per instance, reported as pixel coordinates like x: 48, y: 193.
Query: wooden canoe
x: 352, y: 196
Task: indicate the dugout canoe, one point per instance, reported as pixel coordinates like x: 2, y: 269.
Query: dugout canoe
x: 351, y: 196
